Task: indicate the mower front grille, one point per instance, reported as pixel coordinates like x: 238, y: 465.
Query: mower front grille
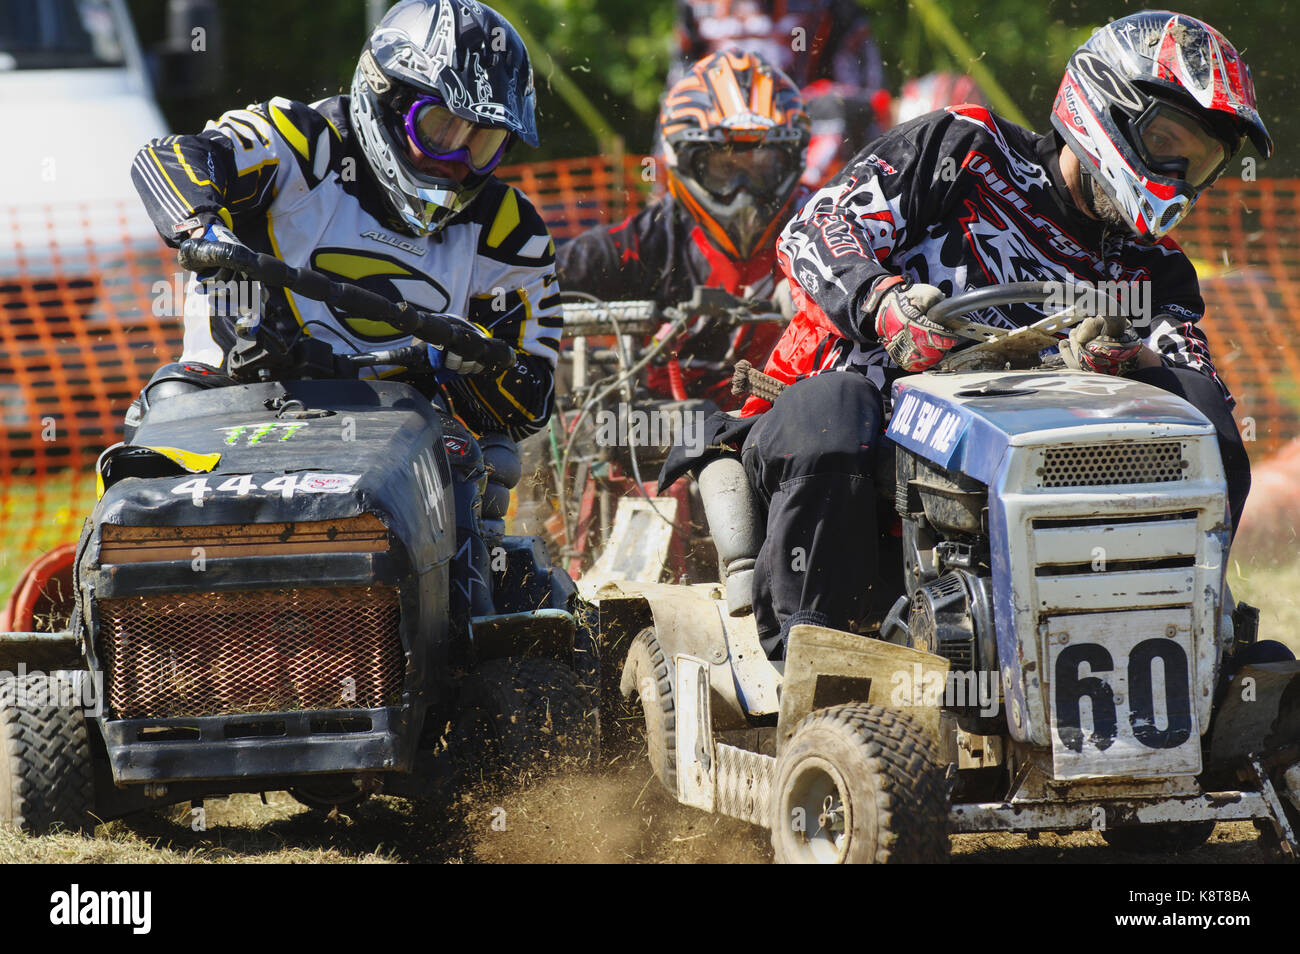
x: 202, y: 654
x: 1100, y: 465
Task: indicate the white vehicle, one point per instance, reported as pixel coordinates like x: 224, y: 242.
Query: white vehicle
x: 78, y: 254
x: 76, y: 103
x: 1057, y: 659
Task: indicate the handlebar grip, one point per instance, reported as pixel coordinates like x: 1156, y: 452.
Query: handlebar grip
x: 499, y: 355
x: 197, y: 255
x: 495, y: 355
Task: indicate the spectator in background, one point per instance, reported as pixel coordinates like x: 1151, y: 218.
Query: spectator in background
x: 826, y: 48
x: 934, y: 91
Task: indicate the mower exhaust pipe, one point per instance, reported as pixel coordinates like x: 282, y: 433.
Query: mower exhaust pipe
x: 732, y: 513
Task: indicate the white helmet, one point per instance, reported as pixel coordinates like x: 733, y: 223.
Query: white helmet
x: 451, y: 79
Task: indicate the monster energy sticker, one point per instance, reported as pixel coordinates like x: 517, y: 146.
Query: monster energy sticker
x: 252, y: 434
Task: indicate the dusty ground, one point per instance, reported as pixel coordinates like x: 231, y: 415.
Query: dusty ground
x: 1275, y: 589
x: 617, y: 816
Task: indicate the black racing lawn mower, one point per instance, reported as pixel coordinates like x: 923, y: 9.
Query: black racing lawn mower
x: 266, y: 596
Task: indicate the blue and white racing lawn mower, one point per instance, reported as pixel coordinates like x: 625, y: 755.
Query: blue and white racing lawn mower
x: 1064, y: 654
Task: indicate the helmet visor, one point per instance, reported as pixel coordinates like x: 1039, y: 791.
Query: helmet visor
x: 724, y: 170
x: 1176, y: 143
x: 440, y: 134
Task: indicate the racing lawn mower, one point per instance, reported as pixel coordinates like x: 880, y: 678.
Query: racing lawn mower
x: 265, y: 597
x: 589, y: 478
x: 1063, y: 655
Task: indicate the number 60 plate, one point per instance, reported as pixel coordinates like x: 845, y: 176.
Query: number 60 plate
x: 1121, y: 693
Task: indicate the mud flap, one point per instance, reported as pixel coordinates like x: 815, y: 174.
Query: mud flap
x: 1260, y: 714
x: 543, y: 632
x: 47, y: 652
x: 713, y: 776
x: 827, y: 667
x: 638, y: 545
x: 696, y: 760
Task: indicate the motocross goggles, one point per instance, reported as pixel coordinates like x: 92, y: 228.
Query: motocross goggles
x: 724, y: 170
x: 1175, y: 143
x: 441, y: 134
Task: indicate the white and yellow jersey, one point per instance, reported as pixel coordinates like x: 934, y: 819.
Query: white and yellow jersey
x: 287, y: 179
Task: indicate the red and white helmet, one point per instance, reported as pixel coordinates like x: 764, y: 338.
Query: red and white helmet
x: 1154, y: 106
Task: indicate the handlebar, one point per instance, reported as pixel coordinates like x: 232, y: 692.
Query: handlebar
x: 440, y: 331
x: 643, y: 317
x: 1005, y: 347
x: 588, y: 318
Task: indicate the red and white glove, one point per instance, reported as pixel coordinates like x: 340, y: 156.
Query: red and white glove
x: 897, y: 308
x: 1104, y: 345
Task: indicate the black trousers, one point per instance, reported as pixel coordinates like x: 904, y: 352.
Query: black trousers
x: 1202, y: 393
x: 810, y: 458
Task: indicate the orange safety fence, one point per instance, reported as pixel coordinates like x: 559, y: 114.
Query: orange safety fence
x: 1245, y: 240
x: 81, y: 328
x: 92, y: 305
x: 574, y: 195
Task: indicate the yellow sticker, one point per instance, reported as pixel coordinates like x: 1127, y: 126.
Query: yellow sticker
x: 190, y: 461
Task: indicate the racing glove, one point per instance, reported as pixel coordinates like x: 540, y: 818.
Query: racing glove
x: 229, y: 300
x: 897, y: 308
x: 218, y: 233
x: 448, y: 362
x: 1104, y: 345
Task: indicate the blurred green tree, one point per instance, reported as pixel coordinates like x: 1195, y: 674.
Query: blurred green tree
x: 617, y: 52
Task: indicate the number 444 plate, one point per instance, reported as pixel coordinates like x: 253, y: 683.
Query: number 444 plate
x: 1122, y: 695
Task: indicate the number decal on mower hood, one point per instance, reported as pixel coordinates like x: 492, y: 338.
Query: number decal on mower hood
x: 426, y: 475
x: 928, y: 426
x: 285, y: 485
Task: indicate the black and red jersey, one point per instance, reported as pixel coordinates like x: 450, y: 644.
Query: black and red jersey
x: 661, y: 254
x: 962, y: 199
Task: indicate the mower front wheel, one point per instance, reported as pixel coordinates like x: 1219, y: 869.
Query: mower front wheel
x: 46, y: 774
x: 859, y: 784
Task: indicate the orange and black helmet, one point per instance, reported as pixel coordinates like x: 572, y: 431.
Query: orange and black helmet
x: 735, y: 135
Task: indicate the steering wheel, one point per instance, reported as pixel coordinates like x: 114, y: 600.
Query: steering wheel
x: 1015, y: 348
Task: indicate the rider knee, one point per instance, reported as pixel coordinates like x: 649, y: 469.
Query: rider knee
x: 829, y: 423
x: 171, y: 380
